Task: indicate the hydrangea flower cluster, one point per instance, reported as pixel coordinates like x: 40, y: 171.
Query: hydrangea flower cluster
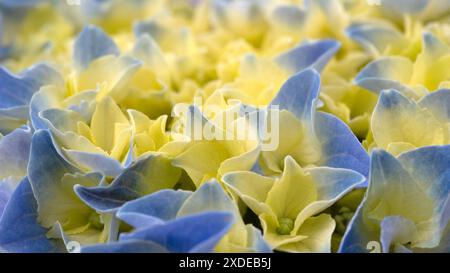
x: 101, y: 103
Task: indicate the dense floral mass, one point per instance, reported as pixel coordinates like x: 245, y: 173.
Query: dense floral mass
x: 224, y: 126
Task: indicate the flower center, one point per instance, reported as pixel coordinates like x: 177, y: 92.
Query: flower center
x: 343, y: 219
x: 95, y: 221
x: 286, y: 225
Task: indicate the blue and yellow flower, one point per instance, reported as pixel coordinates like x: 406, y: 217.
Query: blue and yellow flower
x: 406, y: 205
x: 400, y: 124
x: 290, y: 207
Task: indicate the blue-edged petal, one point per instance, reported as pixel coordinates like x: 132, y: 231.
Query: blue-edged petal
x: 153, y: 209
x: 438, y: 103
x: 7, y: 188
x: 209, y: 197
x: 430, y: 166
x: 46, y: 166
x: 196, y: 233
x: 340, y: 147
x: 77, y: 148
x: 256, y: 240
x: 54, y: 97
x: 12, y: 118
x: 44, y: 99
x: 91, y: 44
x: 95, y: 162
x: 146, y: 176
x: 167, y: 205
x: 17, y: 90
x: 399, y: 124
x: 394, y: 191
x: 415, y: 187
x: 333, y: 183
x: 151, y: 28
x: 377, y: 38
x: 14, y: 153
x: 298, y: 94
x: 433, y: 48
x: 19, y: 227
x: 314, y: 55
x: 52, y: 179
x: 395, y: 232
x: 357, y: 238
x: 387, y: 73
x: 297, y: 103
